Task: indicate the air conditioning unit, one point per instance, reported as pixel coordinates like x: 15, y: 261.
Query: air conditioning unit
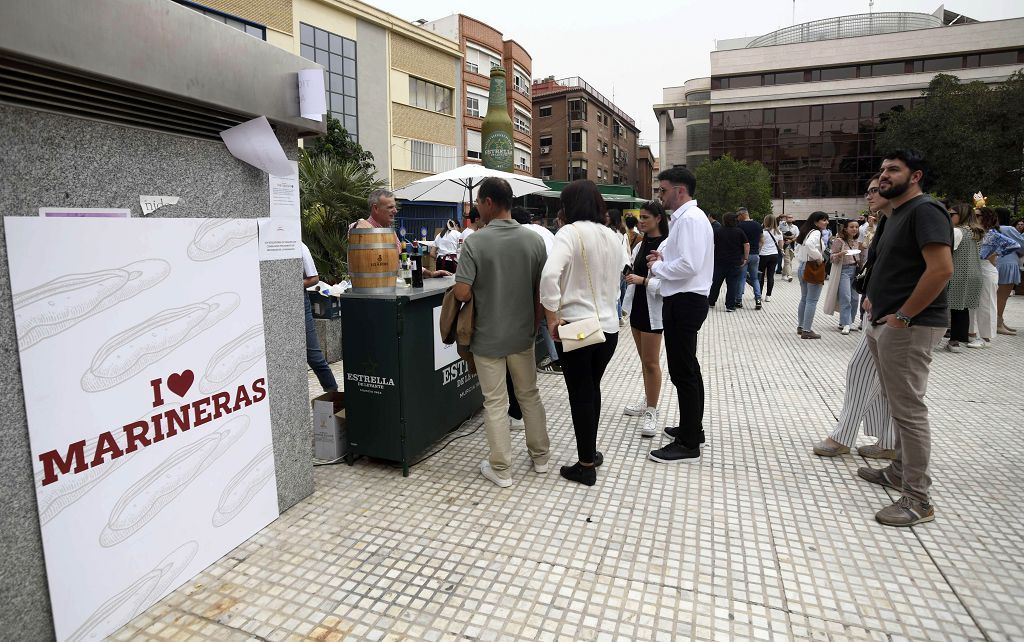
x: 546, y: 149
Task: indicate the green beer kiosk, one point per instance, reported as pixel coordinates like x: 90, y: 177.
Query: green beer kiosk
x: 404, y: 388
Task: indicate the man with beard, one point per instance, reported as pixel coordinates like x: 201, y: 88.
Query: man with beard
x: 906, y: 301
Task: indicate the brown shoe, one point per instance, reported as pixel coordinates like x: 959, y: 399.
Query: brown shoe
x: 809, y: 334
x: 1007, y: 331
x: 830, y: 448
x: 906, y: 512
x: 874, y: 451
x: 880, y: 476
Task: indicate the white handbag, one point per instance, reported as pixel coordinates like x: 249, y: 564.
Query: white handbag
x: 585, y: 332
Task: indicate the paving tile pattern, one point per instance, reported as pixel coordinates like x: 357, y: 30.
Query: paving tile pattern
x: 762, y: 540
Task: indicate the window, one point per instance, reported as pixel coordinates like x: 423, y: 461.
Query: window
x: 544, y: 111
x: 479, y: 97
x: 521, y: 122
x: 578, y: 109
x: 472, y: 105
x: 578, y: 140
x: 338, y: 57
x: 545, y: 141
x: 427, y: 95
x: 251, y: 28
x: 888, y: 68
x: 546, y: 172
x: 789, y: 77
x: 739, y: 82
x: 480, y: 61
x: 474, y: 145
x: 523, y: 158
x: 577, y: 170
x: 600, y: 173
x: 942, y: 64
x: 520, y: 82
x: 431, y: 157
x: 838, y: 73
x: 999, y: 58
x: 616, y: 179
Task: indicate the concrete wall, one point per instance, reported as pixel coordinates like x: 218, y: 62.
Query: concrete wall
x: 60, y: 161
x: 372, y: 72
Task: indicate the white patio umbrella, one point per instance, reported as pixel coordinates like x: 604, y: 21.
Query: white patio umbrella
x: 459, y: 185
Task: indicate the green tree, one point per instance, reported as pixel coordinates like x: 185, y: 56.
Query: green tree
x: 726, y: 184
x: 333, y: 194
x: 971, y: 133
x: 338, y: 144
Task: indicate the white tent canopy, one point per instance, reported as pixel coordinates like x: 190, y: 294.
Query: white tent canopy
x: 459, y: 185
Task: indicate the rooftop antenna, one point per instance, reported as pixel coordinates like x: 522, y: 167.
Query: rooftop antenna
x: 871, y: 6
x: 794, y: 13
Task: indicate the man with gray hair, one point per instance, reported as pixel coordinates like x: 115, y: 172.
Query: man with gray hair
x: 383, y: 209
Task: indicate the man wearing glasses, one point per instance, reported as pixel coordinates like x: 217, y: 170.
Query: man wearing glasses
x: 685, y: 264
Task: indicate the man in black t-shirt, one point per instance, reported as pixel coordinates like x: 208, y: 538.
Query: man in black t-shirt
x: 754, y: 231
x: 906, y: 301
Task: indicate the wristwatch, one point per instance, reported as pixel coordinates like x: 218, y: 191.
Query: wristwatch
x: 904, y: 318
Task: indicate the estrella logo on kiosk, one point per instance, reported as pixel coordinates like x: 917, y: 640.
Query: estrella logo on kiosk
x: 160, y: 425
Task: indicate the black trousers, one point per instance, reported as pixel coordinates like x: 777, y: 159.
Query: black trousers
x: 959, y: 325
x: 683, y: 315
x: 767, y: 269
x: 583, y: 369
x: 513, y: 403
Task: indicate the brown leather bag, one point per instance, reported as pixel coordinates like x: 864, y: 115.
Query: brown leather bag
x: 814, y: 272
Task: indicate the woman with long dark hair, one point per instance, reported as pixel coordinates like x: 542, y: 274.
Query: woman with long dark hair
x: 771, y: 253
x: 643, y: 307
x: 963, y: 293
x: 811, y: 251
x: 580, y: 283
x: 844, y: 243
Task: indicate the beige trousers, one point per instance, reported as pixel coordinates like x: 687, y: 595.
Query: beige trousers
x: 523, y: 369
x: 903, y: 357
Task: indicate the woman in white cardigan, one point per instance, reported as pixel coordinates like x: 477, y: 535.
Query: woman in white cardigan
x: 580, y: 281
x: 811, y: 250
x: 642, y: 305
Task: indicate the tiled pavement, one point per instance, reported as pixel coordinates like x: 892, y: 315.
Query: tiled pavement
x: 762, y: 540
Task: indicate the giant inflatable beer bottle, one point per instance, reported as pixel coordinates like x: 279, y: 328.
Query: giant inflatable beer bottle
x: 498, y: 146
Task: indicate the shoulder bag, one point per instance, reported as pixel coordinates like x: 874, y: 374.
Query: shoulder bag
x: 814, y: 272
x: 586, y: 332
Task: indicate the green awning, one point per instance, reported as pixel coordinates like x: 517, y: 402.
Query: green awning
x: 611, y: 193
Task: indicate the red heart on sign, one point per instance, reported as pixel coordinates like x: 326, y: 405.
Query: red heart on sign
x: 179, y: 383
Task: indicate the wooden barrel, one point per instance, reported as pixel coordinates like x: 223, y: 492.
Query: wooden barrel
x: 372, y: 260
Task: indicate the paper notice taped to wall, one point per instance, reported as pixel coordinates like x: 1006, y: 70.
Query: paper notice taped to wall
x: 312, y: 94
x: 284, y: 194
x: 255, y: 143
x: 151, y: 204
x: 280, y: 238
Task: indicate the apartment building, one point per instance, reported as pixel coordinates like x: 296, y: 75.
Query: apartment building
x: 484, y: 47
x: 395, y: 86
x: 809, y: 100
x: 578, y: 133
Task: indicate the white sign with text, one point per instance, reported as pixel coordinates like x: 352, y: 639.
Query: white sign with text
x: 144, y: 369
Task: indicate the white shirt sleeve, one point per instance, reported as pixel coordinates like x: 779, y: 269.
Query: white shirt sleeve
x: 550, y: 279
x: 684, y: 246
x: 958, y: 236
x: 308, y: 267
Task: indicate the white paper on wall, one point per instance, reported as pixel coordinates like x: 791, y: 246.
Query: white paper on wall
x: 284, y: 193
x: 255, y: 143
x: 280, y: 238
x: 144, y: 370
x: 151, y: 204
x: 312, y: 94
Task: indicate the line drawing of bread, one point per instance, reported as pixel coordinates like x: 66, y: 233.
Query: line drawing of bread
x: 244, y: 486
x: 126, y: 354
x: 233, y: 359
x: 217, y: 237
x: 138, y: 596
x: 53, y: 307
x: 145, y: 498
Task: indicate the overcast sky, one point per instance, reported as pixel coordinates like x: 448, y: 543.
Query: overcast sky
x: 634, y: 49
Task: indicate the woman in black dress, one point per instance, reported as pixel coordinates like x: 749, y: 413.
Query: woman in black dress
x: 643, y: 305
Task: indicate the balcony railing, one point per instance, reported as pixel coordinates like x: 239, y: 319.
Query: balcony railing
x: 578, y: 83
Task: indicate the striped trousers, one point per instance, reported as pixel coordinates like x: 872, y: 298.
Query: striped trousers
x: 863, y: 401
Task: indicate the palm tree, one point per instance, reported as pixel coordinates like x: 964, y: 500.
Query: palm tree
x: 333, y: 195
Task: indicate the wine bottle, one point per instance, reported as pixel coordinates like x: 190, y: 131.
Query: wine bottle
x: 498, y: 145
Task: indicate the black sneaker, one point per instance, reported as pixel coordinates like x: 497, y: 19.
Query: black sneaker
x: 757, y: 304
x: 739, y: 305
x: 673, y: 453
x: 672, y: 431
x: 598, y: 458
x: 585, y: 475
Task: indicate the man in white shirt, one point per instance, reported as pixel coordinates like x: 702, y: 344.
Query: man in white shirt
x: 475, y: 223
x: 545, y: 233
x: 314, y: 355
x: 685, y: 264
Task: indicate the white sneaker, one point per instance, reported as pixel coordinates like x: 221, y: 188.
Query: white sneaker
x: 767, y: 299
x: 648, y: 425
x: 977, y: 343
x: 846, y: 329
x: 488, y: 472
x: 635, y: 409
x: 516, y: 424
x: 540, y: 469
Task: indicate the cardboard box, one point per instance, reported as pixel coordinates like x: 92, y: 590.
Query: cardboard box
x: 329, y: 438
x: 325, y: 307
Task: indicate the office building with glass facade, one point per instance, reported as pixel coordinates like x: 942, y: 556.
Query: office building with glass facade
x: 809, y: 100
